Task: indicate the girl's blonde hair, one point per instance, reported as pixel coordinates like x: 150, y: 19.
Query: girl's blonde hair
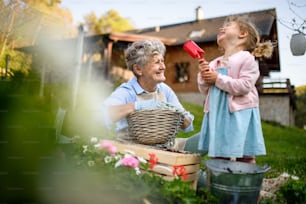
x: 253, y: 44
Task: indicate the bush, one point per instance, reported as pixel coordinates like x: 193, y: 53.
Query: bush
x: 134, y: 179
x: 293, y: 192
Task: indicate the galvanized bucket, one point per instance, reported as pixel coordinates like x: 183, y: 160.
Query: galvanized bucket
x: 234, y: 182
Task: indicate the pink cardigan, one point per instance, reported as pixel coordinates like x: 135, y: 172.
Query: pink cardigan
x: 243, y: 73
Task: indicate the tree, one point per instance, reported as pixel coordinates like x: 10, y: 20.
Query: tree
x: 300, y: 117
x: 92, y: 23
x: 25, y: 22
x: 109, y: 22
x: 297, y: 24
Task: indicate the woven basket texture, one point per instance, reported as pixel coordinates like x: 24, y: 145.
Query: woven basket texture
x: 156, y: 126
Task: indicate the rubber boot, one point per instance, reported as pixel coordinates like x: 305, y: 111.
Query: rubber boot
x: 191, y: 145
x: 201, y: 180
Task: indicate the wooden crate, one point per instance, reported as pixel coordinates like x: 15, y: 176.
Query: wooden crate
x: 167, y: 160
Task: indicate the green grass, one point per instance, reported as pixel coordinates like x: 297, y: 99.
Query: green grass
x: 286, y: 146
x: 198, y: 113
x: 286, y: 149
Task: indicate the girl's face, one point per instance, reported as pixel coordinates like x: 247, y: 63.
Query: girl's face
x: 154, y: 70
x: 229, y: 32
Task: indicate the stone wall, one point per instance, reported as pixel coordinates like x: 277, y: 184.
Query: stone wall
x: 276, y: 108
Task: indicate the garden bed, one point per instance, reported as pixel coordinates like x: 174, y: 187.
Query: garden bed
x: 169, y: 161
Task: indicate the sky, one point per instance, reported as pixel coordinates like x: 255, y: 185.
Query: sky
x: 149, y: 13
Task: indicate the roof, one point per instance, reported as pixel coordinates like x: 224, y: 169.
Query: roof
x: 206, y: 30
x: 91, y: 43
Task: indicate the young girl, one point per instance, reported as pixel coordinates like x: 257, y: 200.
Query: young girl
x: 231, y: 128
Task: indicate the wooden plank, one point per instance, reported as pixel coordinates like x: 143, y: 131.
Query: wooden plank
x: 164, y: 157
x: 166, y: 160
x: 190, y: 177
x: 168, y: 170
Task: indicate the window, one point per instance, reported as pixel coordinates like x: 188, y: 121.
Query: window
x: 182, y: 71
x: 197, y: 33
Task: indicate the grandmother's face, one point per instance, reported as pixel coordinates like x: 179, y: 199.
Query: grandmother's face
x: 154, y: 70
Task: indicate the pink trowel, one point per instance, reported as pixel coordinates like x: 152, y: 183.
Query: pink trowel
x: 193, y: 49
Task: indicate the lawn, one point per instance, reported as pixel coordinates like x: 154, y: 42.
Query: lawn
x: 26, y: 145
x: 286, y: 146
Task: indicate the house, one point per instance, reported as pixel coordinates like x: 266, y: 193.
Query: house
x: 182, y: 69
x: 101, y: 55
x: 277, y: 102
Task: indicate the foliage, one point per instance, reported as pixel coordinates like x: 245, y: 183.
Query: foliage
x: 109, y: 22
x: 136, y: 173
x: 300, y: 117
x: 293, y: 192
x: 24, y: 23
x: 17, y: 62
x: 300, y: 90
x: 298, y: 23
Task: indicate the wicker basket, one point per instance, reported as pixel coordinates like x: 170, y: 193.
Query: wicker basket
x: 153, y: 127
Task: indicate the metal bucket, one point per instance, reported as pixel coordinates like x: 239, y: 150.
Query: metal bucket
x: 234, y: 182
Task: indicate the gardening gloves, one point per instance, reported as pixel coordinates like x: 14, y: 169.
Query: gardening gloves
x: 155, y: 104
x: 148, y: 104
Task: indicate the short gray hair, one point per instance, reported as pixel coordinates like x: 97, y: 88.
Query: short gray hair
x: 140, y: 52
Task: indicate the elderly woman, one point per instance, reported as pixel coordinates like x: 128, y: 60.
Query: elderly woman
x: 146, y: 90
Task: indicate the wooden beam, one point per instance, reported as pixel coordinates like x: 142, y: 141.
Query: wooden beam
x: 134, y: 37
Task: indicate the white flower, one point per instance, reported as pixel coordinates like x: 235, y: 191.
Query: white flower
x: 118, y: 157
x: 118, y: 163
x: 97, y: 145
x: 85, y: 148
x: 91, y: 163
x: 107, y: 159
x: 285, y: 175
x: 138, y: 172
x: 75, y: 138
x: 94, y: 140
x: 295, y: 177
x: 142, y: 160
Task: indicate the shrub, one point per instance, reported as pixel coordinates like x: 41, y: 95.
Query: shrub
x: 131, y: 176
x: 293, y: 192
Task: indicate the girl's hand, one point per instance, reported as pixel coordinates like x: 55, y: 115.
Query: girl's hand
x: 203, y: 67
x: 206, y: 73
x: 210, y: 77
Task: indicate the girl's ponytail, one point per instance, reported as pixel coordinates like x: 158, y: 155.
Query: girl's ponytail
x: 263, y: 49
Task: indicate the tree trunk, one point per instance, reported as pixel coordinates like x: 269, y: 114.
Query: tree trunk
x: 10, y: 27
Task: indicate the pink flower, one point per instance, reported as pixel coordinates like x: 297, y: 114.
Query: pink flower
x: 130, y: 161
x: 106, y: 144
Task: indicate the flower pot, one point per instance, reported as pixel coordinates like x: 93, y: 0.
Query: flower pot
x: 298, y: 44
